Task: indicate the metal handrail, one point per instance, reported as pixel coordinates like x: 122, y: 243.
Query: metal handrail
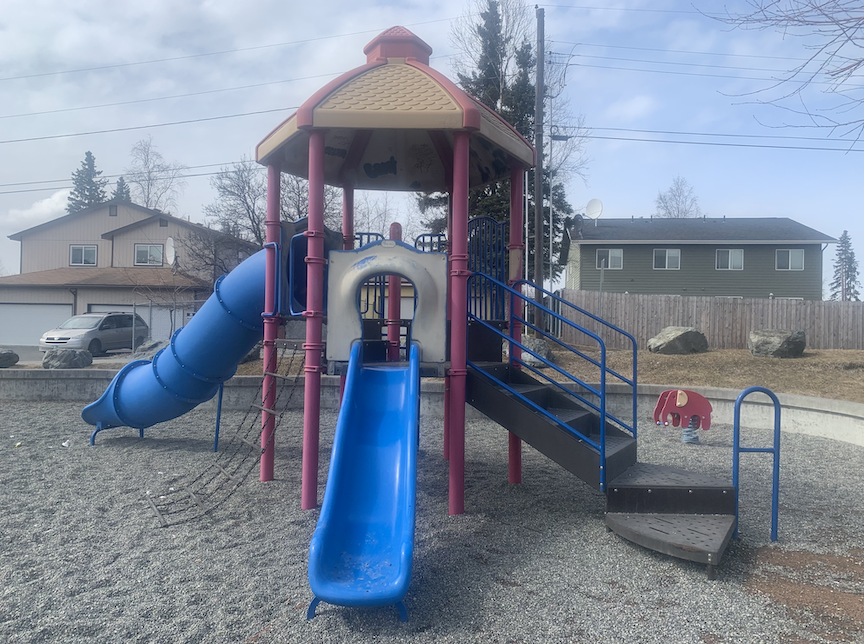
x: 632, y: 382
x: 515, y: 296
x: 775, y: 450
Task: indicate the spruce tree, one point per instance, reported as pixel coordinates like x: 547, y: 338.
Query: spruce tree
x: 121, y: 191
x: 844, y: 286
x: 88, y: 186
x: 497, y: 70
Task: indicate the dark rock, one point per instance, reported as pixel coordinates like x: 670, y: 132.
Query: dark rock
x: 769, y: 343
x: 149, y: 349
x: 678, y: 340
x: 537, y: 345
x: 8, y: 358
x: 254, y: 354
x: 66, y: 359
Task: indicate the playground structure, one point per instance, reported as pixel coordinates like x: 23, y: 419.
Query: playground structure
x: 397, y: 124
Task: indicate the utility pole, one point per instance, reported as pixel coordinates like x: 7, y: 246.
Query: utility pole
x: 539, y: 94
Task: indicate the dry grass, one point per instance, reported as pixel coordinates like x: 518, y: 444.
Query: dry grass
x: 824, y: 374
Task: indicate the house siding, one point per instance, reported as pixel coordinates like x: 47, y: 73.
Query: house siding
x: 48, y: 248
x: 698, y: 276
x: 149, y: 233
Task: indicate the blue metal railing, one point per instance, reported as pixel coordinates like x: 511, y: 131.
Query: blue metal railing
x: 558, y: 303
x: 518, y: 302
x: 431, y: 242
x: 775, y: 450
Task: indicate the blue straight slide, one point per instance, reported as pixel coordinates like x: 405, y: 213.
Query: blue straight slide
x: 202, y: 355
x: 362, y: 550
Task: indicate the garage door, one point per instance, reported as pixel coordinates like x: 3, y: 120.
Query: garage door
x: 24, y: 324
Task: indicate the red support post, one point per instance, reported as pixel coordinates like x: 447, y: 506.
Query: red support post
x: 516, y: 249
x: 394, y: 304
x: 459, y: 323
x: 449, y: 316
x: 347, y: 244
x: 271, y: 323
x: 314, y: 314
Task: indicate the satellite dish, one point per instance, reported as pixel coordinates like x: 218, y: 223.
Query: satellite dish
x: 594, y: 209
x: 170, y: 254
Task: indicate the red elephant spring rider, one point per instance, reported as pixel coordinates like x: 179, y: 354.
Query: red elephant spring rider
x: 688, y: 410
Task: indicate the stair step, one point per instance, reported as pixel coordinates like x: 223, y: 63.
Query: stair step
x: 569, y: 416
x: 646, y: 488
x: 649, y: 475
x: 695, y: 537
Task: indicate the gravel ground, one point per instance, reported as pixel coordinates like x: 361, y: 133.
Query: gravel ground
x: 84, y: 556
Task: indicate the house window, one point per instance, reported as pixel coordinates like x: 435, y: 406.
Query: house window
x: 790, y: 259
x: 667, y: 259
x: 610, y: 258
x: 112, y: 211
x: 730, y: 259
x: 80, y: 255
x: 163, y: 223
x: 148, y: 254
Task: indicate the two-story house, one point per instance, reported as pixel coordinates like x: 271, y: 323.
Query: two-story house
x: 116, y: 256
x: 754, y: 257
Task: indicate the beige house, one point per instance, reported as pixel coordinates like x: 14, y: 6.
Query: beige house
x: 116, y: 256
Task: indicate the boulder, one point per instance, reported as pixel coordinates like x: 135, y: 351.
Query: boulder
x: 148, y: 350
x: 66, y: 359
x: 678, y: 340
x: 770, y: 343
x: 8, y: 358
x: 537, y: 345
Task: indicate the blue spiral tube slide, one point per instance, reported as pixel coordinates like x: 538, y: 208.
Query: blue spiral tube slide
x: 201, y: 356
x: 362, y: 551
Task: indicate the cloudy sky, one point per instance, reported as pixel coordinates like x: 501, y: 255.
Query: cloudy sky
x: 665, y: 90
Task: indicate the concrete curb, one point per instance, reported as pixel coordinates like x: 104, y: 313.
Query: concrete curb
x: 834, y: 419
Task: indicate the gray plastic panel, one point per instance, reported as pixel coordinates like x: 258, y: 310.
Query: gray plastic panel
x: 348, y: 270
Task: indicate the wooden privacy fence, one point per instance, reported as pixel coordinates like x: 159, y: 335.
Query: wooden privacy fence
x: 726, y: 322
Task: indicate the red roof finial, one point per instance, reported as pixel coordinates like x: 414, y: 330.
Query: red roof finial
x: 397, y: 42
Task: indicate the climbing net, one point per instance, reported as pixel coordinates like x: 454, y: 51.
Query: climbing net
x: 197, y: 495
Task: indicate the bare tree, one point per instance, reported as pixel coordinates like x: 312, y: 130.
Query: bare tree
x: 832, y: 32
x: 208, y: 254
x: 679, y: 201
x: 295, y: 201
x: 154, y: 182
x: 240, y: 208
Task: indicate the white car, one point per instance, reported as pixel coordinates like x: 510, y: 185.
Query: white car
x: 97, y: 333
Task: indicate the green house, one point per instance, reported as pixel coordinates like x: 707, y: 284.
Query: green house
x: 765, y: 257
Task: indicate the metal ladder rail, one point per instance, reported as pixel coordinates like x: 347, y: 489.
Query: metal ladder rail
x: 775, y: 450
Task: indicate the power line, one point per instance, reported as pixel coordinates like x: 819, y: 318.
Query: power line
x: 69, y: 186
x: 682, y: 64
x: 731, y: 145
x: 124, y: 174
x: 626, y: 9
x: 166, y: 98
x: 211, y: 53
x: 145, y: 127
x: 679, y: 73
x: 680, y: 51
x: 717, y: 134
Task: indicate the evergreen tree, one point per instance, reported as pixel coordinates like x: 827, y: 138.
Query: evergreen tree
x: 88, y: 186
x: 497, y: 67
x: 121, y: 191
x: 844, y: 286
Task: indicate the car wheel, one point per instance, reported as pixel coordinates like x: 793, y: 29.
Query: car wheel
x: 95, y: 348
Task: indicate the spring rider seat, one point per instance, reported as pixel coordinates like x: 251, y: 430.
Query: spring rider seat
x: 687, y: 410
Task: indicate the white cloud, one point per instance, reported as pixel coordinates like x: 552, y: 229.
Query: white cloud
x: 43, y: 210
x: 632, y: 109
